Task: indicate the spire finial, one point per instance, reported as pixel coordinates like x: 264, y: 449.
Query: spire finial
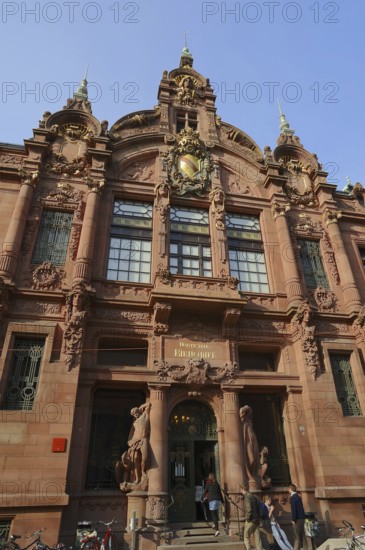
x: 186, y: 59
x: 284, y: 124
x: 81, y: 92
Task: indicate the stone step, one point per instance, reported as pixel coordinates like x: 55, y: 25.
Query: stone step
x: 194, y: 531
x: 184, y: 541
x: 216, y: 545
x: 333, y: 544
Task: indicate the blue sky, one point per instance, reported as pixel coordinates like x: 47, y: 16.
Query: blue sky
x: 309, y: 55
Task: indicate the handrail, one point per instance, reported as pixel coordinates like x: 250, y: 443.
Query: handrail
x: 238, y: 508
x: 168, y: 506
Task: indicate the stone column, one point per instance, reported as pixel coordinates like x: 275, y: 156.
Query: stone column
x: 85, y: 254
x: 348, y: 286
x: 292, y: 278
x: 14, y: 236
x: 158, y: 472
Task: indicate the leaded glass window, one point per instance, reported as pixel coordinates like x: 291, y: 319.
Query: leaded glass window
x: 53, y: 237
x: 190, y: 252
x: 313, y: 270
x: 246, y: 254
x: 24, y: 374
x: 344, y: 382
x: 131, y: 242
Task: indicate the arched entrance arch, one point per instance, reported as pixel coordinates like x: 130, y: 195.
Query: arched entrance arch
x: 193, y: 453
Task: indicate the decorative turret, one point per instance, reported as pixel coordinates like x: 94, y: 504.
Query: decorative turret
x: 80, y: 101
x: 284, y: 124
x: 186, y: 59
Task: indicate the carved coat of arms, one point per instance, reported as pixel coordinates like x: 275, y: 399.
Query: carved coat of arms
x: 188, y: 163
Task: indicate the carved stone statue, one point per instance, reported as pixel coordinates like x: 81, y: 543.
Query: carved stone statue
x: 265, y: 480
x: 251, y: 451
x: 131, y: 468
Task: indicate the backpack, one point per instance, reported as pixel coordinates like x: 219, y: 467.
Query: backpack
x: 263, y: 511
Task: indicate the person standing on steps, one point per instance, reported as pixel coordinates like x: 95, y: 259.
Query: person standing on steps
x: 252, y: 520
x: 298, y: 518
x: 213, y: 494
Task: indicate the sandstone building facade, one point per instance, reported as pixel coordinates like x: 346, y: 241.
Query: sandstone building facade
x: 170, y: 261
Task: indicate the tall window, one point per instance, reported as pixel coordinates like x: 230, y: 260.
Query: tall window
x: 362, y: 255
x: 130, y: 242
x: 190, y: 252
x: 53, y: 237
x: 310, y: 255
x: 24, y: 374
x: 246, y: 253
x: 345, y: 387
x: 186, y: 120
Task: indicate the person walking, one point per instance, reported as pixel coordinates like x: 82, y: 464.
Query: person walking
x: 252, y: 520
x: 298, y: 518
x: 213, y: 493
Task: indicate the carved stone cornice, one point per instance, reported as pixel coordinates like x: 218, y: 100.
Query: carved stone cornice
x: 331, y: 216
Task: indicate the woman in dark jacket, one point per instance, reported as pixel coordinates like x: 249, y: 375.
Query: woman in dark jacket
x: 213, y: 494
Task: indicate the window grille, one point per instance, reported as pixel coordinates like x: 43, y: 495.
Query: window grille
x: 312, y: 265
x: 4, y: 528
x: 24, y: 374
x: 345, y: 387
x: 53, y: 237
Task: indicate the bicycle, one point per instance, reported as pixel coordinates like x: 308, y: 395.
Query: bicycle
x: 352, y: 542
x: 37, y: 543
x: 93, y: 542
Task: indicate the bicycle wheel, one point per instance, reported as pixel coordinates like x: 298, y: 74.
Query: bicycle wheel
x: 91, y: 545
x: 111, y: 544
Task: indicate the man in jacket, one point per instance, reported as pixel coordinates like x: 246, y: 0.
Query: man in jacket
x: 252, y: 523
x: 298, y: 518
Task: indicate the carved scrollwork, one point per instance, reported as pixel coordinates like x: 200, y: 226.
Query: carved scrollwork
x: 332, y: 216
x: 325, y: 299
x: 47, y: 277
x: 162, y: 313
x: 29, y: 177
x: 217, y: 198
x: 163, y: 274
x: 58, y: 164
x: 302, y: 327
x: 279, y: 209
x: 329, y: 257
x: 196, y: 371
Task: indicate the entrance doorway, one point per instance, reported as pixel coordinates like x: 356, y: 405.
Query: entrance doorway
x: 193, y: 454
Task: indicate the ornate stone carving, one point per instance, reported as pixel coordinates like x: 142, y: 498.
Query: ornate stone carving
x: 187, y: 90
x: 4, y: 297
x: 279, y: 209
x: 47, y: 277
x: 138, y: 121
x: 329, y: 257
x: 299, y: 189
x: 188, y: 163
x: 162, y: 201
x: 217, y: 197
x: 196, y: 371
x: 95, y: 185
x: 130, y: 316
x: 77, y: 310
x: 29, y: 306
x: 238, y: 137
x: 58, y: 164
x: 64, y: 194
x: 230, y: 320
x: 325, y: 299
x: 251, y: 454
x: 331, y: 216
x: 74, y: 241
x: 29, y: 178
x: 141, y: 170
x: 131, y: 470
x: 13, y: 160
x: 163, y: 274
x: 358, y: 324
x: 305, y: 224
x: 162, y: 313
x: 156, y: 508
x: 302, y: 328
x: 29, y: 234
